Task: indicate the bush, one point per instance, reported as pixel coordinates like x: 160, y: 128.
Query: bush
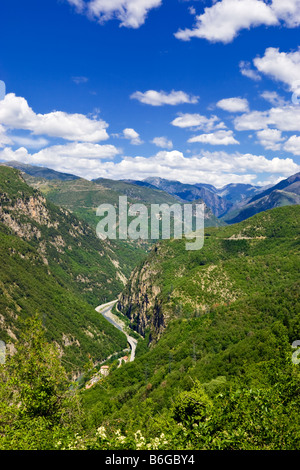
x: 192, y: 407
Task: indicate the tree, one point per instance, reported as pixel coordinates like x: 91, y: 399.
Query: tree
x: 192, y: 407
x: 38, y: 408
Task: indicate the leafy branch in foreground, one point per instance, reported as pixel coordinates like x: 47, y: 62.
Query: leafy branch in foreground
x: 38, y: 408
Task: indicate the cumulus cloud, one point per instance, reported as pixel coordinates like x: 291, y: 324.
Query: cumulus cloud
x: 131, y: 13
x: 162, y: 142
x: 288, y: 11
x: 270, y: 139
x: 133, y: 136
x: 81, y: 159
x: 281, y: 66
x: 223, y: 21
x: 234, y: 105
x: 218, y: 168
x: 215, y: 138
x: 15, y: 113
x: 160, y: 98
x: 197, y: 120
x: 226, y: 18
x: 76, y: 150
x: 285, y: 118
x: 293, y: 145
x: 271, y: 181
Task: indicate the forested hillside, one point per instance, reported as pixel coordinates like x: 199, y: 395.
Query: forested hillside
x: 53, y: 264
x: 218, y: 326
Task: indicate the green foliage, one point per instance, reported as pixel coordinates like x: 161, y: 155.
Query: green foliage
x: 214, y: 370
x: 53, y: 264
x: 238, y: 348
x: 191, y: 407
x: 37, y: 406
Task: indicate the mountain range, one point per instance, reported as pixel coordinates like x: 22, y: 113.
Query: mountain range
x: 285, y: 193
x: 234, y: 202
x: 231, y: 203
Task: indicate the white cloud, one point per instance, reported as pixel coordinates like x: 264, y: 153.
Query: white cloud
x: 273, y: 98
x: 215, y: 138
x: 20, y: 155
x: 133, y: 136
x: 217, y: 168
x: 131, y: 13
x: 271, y: 181
x: 234, y: 105
x: 293, y: 145
x: 270, y: 139
x: 281, y: 66
x: 81, y: 159
x: 247, y: 71
x: 162, y: 142
x: 29, y: 142
x: 224, y: 19
x: 4, y: 139
x: 197, y: 120
x: 76, y: 150
x: 288, y: 11
x: 16, y: 114
x: 79, y: 4
x: 160, y: 98
x: 56, y: 153
x: 285, y: 118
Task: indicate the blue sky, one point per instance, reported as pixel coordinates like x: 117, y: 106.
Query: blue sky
x: 196, y: 91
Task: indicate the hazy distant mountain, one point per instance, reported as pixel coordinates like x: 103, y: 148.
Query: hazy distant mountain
x: 291, y: 184
x: 190, y: 192
x: 237, y: 193
x: 207, y: 186
x: 285, y: 193
x: 40, y: 172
